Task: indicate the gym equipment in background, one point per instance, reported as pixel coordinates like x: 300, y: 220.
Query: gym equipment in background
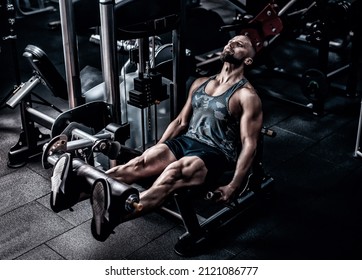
x: 8, y: 34
x: 108, y: 109
x: 357, y: 150
x: 28, y: 7
x: 310, y: 44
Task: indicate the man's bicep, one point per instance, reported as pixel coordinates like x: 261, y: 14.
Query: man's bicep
x: 251, y: 119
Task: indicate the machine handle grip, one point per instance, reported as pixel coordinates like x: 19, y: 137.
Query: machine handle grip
x: 213, y: 195
x: 132, y: 204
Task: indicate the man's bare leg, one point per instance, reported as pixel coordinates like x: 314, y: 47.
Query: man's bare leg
x: 151, y: 163
x: 186, y: 172
x: 72, y: 180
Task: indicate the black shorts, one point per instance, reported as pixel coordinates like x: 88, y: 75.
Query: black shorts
x: 215, y: 161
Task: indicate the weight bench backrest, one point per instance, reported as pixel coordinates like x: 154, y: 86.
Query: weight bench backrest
x: 46, y: 70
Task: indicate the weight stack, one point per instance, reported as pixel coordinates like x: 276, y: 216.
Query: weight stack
x: 148, y: 90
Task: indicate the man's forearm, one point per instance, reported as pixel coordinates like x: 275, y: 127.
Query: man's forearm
x: 243, y: 165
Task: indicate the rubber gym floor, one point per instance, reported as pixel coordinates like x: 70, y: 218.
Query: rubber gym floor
x: 315, y: 212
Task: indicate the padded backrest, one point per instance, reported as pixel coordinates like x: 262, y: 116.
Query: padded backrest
x: 46, y: 70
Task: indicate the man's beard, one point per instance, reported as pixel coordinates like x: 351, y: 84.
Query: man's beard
x: 228, y: 57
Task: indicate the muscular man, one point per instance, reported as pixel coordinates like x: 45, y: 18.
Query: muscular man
x: 222, y: 113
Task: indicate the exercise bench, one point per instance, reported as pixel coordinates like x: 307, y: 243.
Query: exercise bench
x: 256, y: 186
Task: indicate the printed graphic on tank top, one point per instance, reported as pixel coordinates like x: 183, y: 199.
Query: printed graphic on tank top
x: 212, y: 122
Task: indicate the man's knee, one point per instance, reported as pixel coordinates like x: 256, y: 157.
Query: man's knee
x: 186, y: 171
x: 193, y: 167
x: 137, y: 164
x: 173, y: 171
x: 152, y: 162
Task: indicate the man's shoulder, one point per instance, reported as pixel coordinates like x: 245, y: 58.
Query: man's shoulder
x: 201, y: 80
x: 247, y: 92
x: 197, y: 83
x: 248, y: 97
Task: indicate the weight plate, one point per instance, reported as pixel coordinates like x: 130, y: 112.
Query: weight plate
x: 314, y: 85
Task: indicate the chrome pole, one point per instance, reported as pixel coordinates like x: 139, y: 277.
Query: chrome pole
x: 70, y: 50
x: 357, y: 151
x: 110, y: 58
x: 175, y: 73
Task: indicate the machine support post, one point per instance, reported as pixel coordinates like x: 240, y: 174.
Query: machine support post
x: 70, y: 50
x: 175, y: 72
x: 109, y: 58
x: 179, y: 75
x: 143, y: 46
x: 357, y: 151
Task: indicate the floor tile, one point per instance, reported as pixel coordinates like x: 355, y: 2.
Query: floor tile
x: 20, y: 187
x: 42, y: 252
x: 28, y: 227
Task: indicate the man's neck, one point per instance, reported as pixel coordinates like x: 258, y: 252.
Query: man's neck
x: 230, y: 73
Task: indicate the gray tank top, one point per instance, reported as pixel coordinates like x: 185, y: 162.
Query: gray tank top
x: 212, y: 122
